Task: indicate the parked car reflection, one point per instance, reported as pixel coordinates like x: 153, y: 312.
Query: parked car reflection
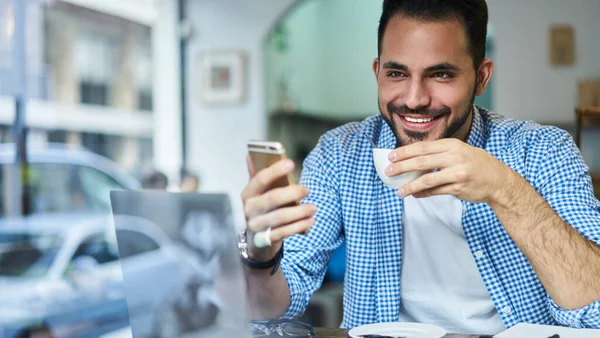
x: 170, y: 291
x: 62, y: 179
x: 60, y: 275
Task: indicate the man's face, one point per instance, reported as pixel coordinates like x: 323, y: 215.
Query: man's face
x: 426, y: 79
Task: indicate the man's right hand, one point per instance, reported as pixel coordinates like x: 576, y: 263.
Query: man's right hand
x: 265, y: 208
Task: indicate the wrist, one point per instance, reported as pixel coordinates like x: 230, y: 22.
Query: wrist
x: 261, y: 254
x: 506, y: 194
x: 259, y: 259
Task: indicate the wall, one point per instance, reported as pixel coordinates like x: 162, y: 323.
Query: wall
x: 217, y: 135
x: 527, y: 86
x: 332, y: 44
x: 350, y: 37
x: 299, y: 65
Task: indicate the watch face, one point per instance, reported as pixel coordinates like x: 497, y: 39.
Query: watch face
x: 242, y: 245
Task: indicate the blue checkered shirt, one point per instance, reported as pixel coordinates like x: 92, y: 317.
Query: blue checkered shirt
x: 355, y: 206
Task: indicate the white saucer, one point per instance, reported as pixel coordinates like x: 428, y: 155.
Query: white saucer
x: 408, y: 330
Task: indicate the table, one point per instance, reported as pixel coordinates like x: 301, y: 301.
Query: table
x: 343, y: 333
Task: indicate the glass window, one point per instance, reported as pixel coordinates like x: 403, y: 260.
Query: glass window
x: 98, y: 248
x: 97, y: 186
x: 55, y: 187
x: 132, y: 243
x: 27, y: 255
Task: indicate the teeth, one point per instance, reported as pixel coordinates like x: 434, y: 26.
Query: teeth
x: 409, y: 119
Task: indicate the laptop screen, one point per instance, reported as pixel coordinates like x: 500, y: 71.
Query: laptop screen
x: 180, y: 264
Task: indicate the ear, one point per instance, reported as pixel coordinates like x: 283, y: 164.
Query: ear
x: 376, y: 68
x: 484, y: 74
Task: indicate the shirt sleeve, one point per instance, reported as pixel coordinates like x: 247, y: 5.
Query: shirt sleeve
x: 306, y: 256
x: 587, y: 317
x: 566, y: 185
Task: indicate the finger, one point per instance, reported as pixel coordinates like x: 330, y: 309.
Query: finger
x: 448, y: 189
x: 281, y: 217
x: 250, y: 166
x: 296, y: 228
x: 423, y: 148
x: 274, y: 199
x: 430, y: 181
x: 421, y: 163
x: 264, y: 178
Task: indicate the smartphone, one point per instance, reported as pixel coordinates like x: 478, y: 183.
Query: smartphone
x: 263, y: 154
x: 266, y: 153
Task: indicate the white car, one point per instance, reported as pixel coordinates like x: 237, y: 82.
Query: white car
x: 67, y: 280
x: 63, y: 179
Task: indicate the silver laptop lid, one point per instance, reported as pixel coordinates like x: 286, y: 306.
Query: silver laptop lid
x: 181, y: 268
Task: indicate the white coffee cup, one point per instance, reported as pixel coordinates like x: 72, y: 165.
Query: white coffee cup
x: 381, y: 160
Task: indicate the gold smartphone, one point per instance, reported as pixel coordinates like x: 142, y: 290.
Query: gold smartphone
x: 266, y: 153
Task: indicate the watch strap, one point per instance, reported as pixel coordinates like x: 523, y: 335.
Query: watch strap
x: 272, y: 263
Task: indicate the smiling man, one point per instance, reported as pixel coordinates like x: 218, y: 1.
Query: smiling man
x: 503, y: 228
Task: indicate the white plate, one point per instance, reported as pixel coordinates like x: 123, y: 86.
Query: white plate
x: 408, y: 330
x: 523, y: 330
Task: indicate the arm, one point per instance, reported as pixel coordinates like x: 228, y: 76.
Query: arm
x: 558, y: 231
x: 269, y: 296
x: 567, y: 263
x: 305, y: 258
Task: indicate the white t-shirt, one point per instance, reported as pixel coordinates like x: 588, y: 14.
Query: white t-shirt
x: 440, y: 283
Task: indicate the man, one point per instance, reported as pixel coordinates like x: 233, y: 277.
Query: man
x: 504, y: 227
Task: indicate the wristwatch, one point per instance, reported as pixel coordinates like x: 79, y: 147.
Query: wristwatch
x: 253, y: 264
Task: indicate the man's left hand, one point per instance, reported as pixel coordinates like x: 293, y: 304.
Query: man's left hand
x: 463, y: 171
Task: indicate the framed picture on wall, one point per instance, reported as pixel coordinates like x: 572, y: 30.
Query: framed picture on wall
x: 222, y: 77
x: 562, y: 45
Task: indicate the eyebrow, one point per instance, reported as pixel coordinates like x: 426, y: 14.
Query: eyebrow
x: 395, y: 65
x: 444, y: 66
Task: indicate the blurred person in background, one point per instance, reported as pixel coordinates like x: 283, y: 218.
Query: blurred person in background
x: 188, y: 182
x: 154, y: 180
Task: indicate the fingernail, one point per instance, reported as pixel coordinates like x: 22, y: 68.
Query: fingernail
x: 402, y: 193
x: 389, y: 170
x: 288, y: 165
x: 313, y: 208
x: 392, y: 156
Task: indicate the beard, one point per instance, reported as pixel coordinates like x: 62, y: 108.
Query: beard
x: 411, y: 136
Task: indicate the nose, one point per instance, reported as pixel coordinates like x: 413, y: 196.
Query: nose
x: 418, y: 95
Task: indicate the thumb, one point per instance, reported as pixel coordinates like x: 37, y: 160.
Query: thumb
x: 251, y: 170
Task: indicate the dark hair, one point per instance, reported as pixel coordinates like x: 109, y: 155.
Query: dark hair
x: 473, y: 13
x: 155, y: 179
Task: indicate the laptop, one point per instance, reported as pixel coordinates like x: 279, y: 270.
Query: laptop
x: 180, y: 263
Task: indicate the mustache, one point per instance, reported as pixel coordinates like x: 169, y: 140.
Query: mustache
x: 427, y: 112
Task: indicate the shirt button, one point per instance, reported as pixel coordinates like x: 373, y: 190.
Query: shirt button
x: 507, y: 310
x: 464, y: 207
x: 478, y: 253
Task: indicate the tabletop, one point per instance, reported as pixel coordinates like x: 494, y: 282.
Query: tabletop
x: 343, y: 333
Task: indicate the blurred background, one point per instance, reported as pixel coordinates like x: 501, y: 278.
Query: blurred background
x: 97, y: 95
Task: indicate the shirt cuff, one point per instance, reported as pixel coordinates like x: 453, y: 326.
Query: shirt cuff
x: 298, y: 299
x: 587, y: 317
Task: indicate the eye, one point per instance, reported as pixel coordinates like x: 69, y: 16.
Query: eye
x: 442, y: 75
x: 395, y: 74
